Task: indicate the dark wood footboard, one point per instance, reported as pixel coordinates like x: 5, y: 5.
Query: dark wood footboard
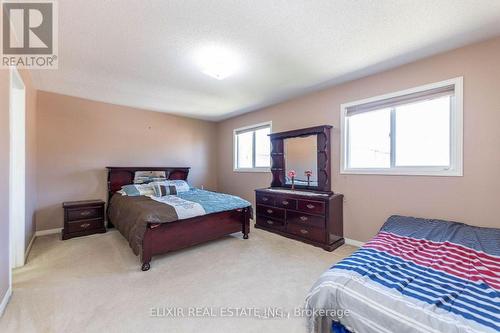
x: 163, y: 238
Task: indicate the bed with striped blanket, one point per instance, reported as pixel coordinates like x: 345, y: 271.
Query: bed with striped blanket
x: 416, y: 275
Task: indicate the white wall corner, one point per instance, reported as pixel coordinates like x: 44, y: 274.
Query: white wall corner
x: 353, y: 242
x: 5, y: 301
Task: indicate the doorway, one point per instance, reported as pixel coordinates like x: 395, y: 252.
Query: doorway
x: 17, y: 173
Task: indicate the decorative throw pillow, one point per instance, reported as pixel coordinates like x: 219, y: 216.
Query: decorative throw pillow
x: 136, y: 190
x: 180, y: 185
x: 162, y: 190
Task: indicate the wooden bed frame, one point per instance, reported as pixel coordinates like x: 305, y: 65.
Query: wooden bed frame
x: 167, y: 237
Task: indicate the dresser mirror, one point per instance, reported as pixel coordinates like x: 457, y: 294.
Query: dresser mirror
x: 301, y: 157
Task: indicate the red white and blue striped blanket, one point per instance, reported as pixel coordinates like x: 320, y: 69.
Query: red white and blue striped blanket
x: 416, y: 275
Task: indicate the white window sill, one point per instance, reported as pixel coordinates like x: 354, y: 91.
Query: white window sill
x: 252, y: 170
x: 393, y: 172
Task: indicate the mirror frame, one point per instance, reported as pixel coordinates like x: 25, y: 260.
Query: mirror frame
x: 323, y: 159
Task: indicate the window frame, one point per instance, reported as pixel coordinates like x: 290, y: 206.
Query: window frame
x: 235, y: 147
x: 456, y: 136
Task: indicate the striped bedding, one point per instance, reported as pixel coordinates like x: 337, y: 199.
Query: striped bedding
x: 416, y: 275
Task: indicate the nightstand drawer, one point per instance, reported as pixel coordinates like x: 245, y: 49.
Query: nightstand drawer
x: 84, y: 213
x: 82, y: 218
x: 84, y: 225
x: 276, y: 213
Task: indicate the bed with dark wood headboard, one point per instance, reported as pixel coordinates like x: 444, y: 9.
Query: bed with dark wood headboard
x: 160, y: 238
x: 120, y: 176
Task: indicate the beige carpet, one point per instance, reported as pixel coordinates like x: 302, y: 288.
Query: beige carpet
x: 94, y: 284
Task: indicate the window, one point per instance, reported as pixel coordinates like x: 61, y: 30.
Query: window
x: 412, y: 132
x: 252, y: 148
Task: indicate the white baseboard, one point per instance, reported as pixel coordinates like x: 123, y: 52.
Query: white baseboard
x: 27, y: 252
x: 47, y: 232
x: 353, y: 242
x: 5, y: 300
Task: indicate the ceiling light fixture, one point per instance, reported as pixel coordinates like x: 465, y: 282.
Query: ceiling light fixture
x: 217, y: 62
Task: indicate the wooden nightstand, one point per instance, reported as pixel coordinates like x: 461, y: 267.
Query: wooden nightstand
x: 82, y: 218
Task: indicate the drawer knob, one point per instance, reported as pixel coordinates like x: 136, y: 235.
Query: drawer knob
x: 269, y: 211
x: 85, y: 225
x: 310, y: 206
x: 285, y: 203
x: 85, y: 213
x: 264, y: 199
x: 304, y: 231
x: 270, y: 222
x: 303, y: 218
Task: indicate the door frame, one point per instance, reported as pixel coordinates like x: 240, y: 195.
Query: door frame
x: 17, y: 170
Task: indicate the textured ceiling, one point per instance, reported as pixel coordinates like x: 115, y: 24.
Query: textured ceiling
x: 142, y: 53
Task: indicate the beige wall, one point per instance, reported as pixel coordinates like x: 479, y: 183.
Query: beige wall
x: 31, y: 95
x: 370, y: 199
x: 78, y: 138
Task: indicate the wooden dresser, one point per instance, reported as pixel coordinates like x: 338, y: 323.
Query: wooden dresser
x: 300, y: 204
x: 83, y: 218
x: 315, y: 219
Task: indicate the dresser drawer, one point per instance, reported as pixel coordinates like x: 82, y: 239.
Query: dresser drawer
x: 313, y: 207
x: 84, y: 225
x: 265, y: 199
x: 286, y: 203
x: 272, y: 212
x: 305, y: 219
x: 312, y: 233
x: 84, y: 213
x: 270, y: 223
